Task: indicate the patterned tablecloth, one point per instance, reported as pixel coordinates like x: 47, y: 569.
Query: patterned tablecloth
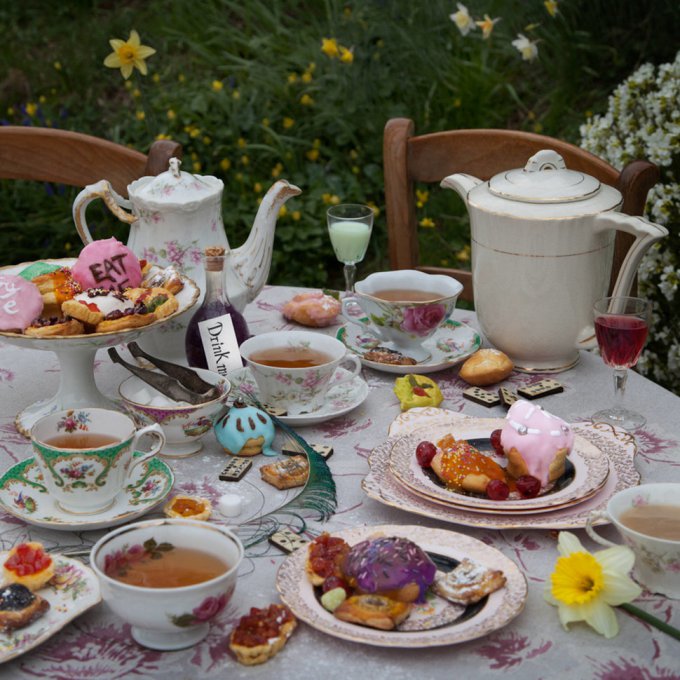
x: 534, y: 645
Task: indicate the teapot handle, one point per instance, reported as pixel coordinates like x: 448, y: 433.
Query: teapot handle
x: 646, y: 233
x: 113, y: 201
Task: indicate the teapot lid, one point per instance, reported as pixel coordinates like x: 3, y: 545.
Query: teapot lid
x: 176, y: 187
x: 544, y: 179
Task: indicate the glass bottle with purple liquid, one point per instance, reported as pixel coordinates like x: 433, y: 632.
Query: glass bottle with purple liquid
x: 215, y: 304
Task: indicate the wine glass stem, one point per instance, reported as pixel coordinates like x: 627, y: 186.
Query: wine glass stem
x: 620, y: 378
x: 350, y: 273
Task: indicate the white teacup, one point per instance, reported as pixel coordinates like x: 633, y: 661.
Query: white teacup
x: 93, y: 458
x: 657, y: 560
x: 403, y: 325
x: 173, y: 617
x: 298, y: 390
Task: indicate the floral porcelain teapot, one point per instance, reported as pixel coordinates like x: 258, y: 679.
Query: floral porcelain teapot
x: 542, y: 250
x: 176, y: 215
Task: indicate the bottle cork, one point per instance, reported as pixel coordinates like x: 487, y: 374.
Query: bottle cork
x: 214, y: 258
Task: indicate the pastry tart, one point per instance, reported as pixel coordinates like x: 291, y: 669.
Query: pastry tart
x: 261, y: 634
x: 375, y: 611
x: 325, y: 557
x: 29, y: 565
x: 468, y: 583
x: 54, y: 326
x: 191, y: 507
x: 19, y: 607
x: 158, y: 301
x: 285, y: 474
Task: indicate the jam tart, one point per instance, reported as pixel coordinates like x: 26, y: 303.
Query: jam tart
x: 29, y: 565
x: 191, y: 507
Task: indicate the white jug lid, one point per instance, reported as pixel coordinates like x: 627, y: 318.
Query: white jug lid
x: 176, y: 187
x: 544, y: 179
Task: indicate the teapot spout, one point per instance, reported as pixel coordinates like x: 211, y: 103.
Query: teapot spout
x: 248, y: 266
x: 461, y: 183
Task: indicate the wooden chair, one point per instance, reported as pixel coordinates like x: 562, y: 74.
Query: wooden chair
x: 483, y: 153
x: 64, y: 157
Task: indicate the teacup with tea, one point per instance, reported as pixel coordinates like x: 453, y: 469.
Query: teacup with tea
x: 295, y: 369
x: 87, y: 455
x: 404, y: 308
x: 168, y: 578
x: 648, y: 519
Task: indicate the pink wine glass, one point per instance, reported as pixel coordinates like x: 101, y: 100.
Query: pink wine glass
x: 621, y: 327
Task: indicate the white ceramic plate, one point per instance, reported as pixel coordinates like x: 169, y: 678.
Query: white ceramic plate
x: 186, y: 298
x: 452, y: 343
x: 72, y: 591
x: 500, y: 608
x: 340, y: 399
x: 380, y: 485
x: 24, y: 495
x: 591, y: 469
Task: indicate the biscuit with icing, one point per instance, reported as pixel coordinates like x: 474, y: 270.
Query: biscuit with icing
x: 20, y: 303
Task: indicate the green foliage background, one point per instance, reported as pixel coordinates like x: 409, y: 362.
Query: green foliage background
x: 409, y: 60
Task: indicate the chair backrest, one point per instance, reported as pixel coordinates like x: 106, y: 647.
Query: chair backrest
x: 76, y: 159
x: 483, y: 153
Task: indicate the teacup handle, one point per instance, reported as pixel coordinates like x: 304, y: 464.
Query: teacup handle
x: 348, y: 303
x: 353, y: 372
x: 590, y: 530
x: 154, y: 430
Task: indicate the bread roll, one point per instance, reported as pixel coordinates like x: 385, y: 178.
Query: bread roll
x: 486, y: 367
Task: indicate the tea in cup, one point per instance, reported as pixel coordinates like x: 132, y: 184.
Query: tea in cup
x: 168, y: 578
x: 87, y: 455
x: 404, y: 308
x: 295, y: 369
x: 648, y: 519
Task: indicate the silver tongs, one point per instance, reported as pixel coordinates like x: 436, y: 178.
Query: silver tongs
x: 179, y: 382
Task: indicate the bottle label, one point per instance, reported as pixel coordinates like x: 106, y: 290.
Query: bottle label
x: 220, y: 344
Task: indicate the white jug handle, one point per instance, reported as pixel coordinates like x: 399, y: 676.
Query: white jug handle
x: 156, y: 432
x: 593, y: 516
x: 586, y: 338
x: 646, y: 233
x: 101, y: 189
x: 353, y: 372
x: 350, y: 302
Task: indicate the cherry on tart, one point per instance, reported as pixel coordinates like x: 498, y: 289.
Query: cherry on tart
x: 495, y: 439
x: 29, y: 565
x: 425, y: 452
x: 497, y: 490
x: 528, y: 486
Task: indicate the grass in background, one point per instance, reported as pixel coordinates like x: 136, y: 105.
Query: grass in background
x: 247, y: 90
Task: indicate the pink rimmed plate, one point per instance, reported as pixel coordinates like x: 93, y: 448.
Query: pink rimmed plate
x: 499, y: 609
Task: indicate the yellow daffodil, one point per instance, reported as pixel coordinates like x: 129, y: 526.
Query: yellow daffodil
x: 374, y: 208
x: 156, y: 78
x: 296, y: 215
x: 422, y: 196
x: 140, y: 115
x: 181, y: 78
x: 551, y: 6
x: 207, y: 140
x: 346, y: 55
x: 306, y: 100
x: 312, y: 154
x: 457, y: 103
x: 236, y: 94
x: 245, y: 160
x: 57, y: 66
x: 585, y: 586
x: 527, y: 48
x: 462, y: 19
x: 306, y: 77
x: 217, y: 85
x: 266, y: 122
x: 464, y: 254
x: 196, y: 165
x: 136, y: 93
x: 276, y: 170
x: 225, y: 164
x: 329, y: 46
x: 288, y: 123
x: 241, y: 143
x: 427, y: 222
x: 31, y: 109
x: 283, y: 211
x: 487, y: 25
x: 257, y: 188
x: 128, y: 55
x: 292, y: 78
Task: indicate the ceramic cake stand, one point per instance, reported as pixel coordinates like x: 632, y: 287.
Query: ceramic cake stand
x: 76, y: 354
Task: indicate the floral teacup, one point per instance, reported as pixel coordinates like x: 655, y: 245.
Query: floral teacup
x: 86, y: 455
x: 657, y: 560
x: 405, y: 324
x: 166, y: 618
x: 298, y: 390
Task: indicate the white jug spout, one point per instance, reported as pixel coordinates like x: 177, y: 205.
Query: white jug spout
x: 248, y: 266
x: 461, y: 183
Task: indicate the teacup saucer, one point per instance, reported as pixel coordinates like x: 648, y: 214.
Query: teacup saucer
x: 452, y: 343
x: 340, y: 399
x: 23, y: 494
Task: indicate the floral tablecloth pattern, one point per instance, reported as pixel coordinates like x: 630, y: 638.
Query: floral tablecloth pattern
x: 98, y: 644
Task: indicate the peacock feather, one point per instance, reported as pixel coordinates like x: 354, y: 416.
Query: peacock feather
x: 317, y: 495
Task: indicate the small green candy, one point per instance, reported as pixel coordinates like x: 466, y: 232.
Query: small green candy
x: 333, y: 599
x: 37, y: 269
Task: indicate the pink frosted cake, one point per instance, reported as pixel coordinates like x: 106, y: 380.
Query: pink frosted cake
x: 20, y: 303
x: 535, y: 442
x: 108, y: 264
